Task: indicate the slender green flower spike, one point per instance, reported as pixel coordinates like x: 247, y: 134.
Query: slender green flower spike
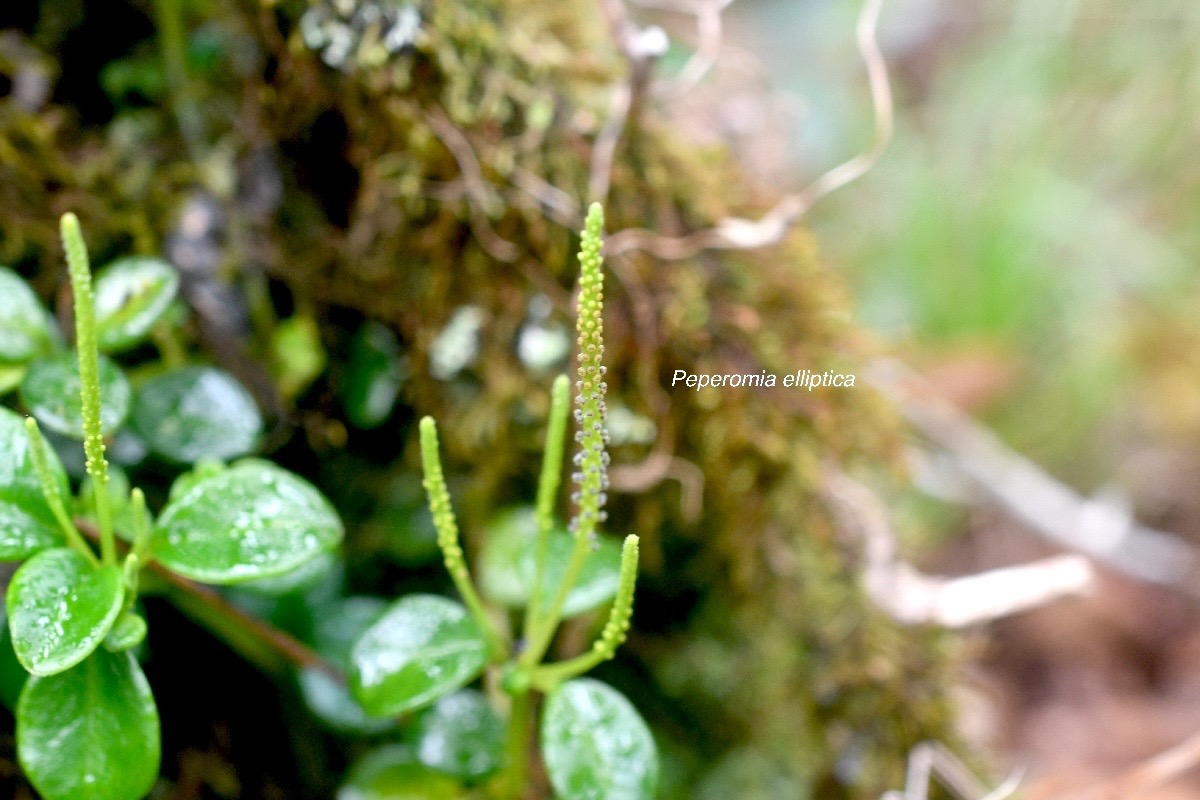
x: 592, y: 459
x: 615, y: 630
x: 89, y: 377
x: 447, y: 532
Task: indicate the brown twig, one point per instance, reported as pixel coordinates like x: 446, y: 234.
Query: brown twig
x: 934, y: 759
x: 912, y: 597
x: 479, y: 192
x: 605, y: 147
x: 293, y: 650
x: 1026, y: 492
x: 708, y: 47
x: 1148, y: 775
x: 736, y: 233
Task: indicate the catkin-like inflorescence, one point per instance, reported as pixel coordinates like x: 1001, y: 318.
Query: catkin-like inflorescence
x: 591, y: 462
x: 85, y: 345
x: 617, y: 626
x: 439, y: 502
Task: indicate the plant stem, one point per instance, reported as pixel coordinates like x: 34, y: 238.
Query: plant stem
x: 41, y: 463
x: 166, y: 341
x: 539, y: 640
x: 214, y: 611
x: 520, y: 723
x: 448, y: 538
x: 556, y: 433
x: 261, y: 642
x: 89, y: 378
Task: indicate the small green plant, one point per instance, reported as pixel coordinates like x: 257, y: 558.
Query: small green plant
x: 87, y: 723
x: 421, y: 650
x: 181, y: 413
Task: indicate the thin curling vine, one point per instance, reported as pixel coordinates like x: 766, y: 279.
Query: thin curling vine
x: 424, y: 647
x: 72, y: 616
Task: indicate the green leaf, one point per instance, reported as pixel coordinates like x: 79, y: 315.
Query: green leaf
x: 253, y: 520
x: 596, y: 746
x: 60, y: 608
x: 12, y: 675
x: 400, y: 524
x: 194, y: 413
x: 131, y: 295
x: 507, y: 565
x: 201, y: 470
x: 336, y: 630
x: 423, y: 647
x: 373, y: 377
x: 309, y: 574
x: 298, y: 358
x: 11, y: 376
x: 90, y: 733
x: 391, y: 773
x: 127, y: 633
x: 339, y: 627
x: 50, y: 391
x: 27, y: 524
x: 460, y: 735
x: 331, y: 702
x: 24, y: 327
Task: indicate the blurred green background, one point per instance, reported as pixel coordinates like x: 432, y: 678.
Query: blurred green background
x: 1030, y: 236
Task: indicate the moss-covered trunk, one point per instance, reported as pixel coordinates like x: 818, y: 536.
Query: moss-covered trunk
x: 404, y: 179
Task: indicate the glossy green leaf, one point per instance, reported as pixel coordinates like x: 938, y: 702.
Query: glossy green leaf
x: 11, y: 376
x: 507, y: 565
x: 90, y: 733
x: 27, y: 524
x: 373, y: 377
x: 12, y: 675
x: 331, y: 702
x: 127, y: 633
x: 127, y: 449
x: 131, y: 295
x: 193, y: 413
x: 460, y: 735
x: 595, y: 744
x: 253, y: 520
x: 200, y: 471
x: 60, y: 608
x: 423, y: 647
x: 336, y: 630
x: 24, y: 326
x: 391, y: 773
x: 298, y: 357
x: 341, y: 625
x: 310, y: 573
x: 401, y: 525
x: 50, y: 391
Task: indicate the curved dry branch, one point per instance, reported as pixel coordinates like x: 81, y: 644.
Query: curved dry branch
x: 1022, y: 489
x: 736, y: 233
x: 912, y: 597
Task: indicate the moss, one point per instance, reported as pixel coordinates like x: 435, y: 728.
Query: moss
x: 750, y: 622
